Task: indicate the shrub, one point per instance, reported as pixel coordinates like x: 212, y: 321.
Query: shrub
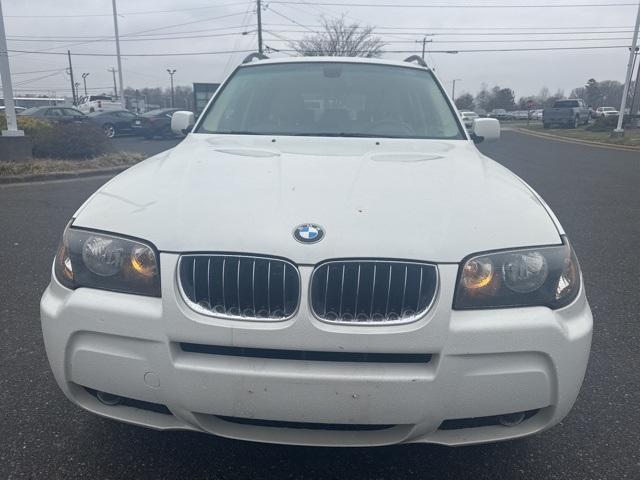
x: 62, y: 140
x: 70, y: 141
x: 606, y: 124
x: 30, y: 125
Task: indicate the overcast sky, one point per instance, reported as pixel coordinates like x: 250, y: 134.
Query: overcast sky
x: 218, y: 26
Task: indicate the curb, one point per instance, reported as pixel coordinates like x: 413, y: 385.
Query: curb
x: 39, y: 177
x: 589, y: 143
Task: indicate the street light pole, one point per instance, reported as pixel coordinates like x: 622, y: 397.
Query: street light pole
x: 171, y: 73
x: 619, y: 131
x: 453, y: 89
x: 84, y: 79
x: 7, y: 87
x: 115, y: 26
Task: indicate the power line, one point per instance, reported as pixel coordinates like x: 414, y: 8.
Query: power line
x: 510, y: 40
x: 426, y: 27
x: 503, y: 5
x: 290, y: 19
x: 70, y: 38
x: 471, y: 33
x: 147, y: 12
x: 221, y: 52
x: 37, y: 71
x: 139, y: 32
x: 488, y: 50
x: 32, y: 80
x: 126, y: 39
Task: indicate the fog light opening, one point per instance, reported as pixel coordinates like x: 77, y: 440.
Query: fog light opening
x: 512, y: 419
x: 108, y: 398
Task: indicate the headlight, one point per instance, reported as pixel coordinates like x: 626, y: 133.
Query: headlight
x: 545, y: 276
x: 108, y: 262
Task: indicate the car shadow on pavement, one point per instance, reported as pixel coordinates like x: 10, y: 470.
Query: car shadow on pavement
x: 143, y: 453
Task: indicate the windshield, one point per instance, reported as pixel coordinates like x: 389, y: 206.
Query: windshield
x: 332, y: 99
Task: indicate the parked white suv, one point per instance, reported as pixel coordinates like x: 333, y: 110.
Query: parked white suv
x: 96, y: 103
x: 607, y: 112
x: 326, y: 259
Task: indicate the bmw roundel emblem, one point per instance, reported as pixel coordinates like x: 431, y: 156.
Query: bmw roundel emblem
x: 308, y: 233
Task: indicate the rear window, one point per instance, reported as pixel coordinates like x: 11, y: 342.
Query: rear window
x: 566, y: 104
x: 93, y: 98
x: 332, y: 99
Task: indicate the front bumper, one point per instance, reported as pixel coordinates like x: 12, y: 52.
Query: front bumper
x: 483, y: 364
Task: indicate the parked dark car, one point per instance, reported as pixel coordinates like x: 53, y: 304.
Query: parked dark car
x: 114, y: 122
x: 156, y: 123
x: 56, y: 114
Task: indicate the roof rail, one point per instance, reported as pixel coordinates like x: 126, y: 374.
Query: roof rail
x: 418, y: 59
x: 252, y: 56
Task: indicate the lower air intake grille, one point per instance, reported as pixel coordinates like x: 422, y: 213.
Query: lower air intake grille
x: 369, y: 291
x: 240, y: 287
x: 340, y: 427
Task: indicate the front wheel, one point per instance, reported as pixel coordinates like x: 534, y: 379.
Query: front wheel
x: 109, y: 130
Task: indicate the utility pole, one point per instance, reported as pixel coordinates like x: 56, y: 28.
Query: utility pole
x: 7, y: 87
x: 115, y: 26
x: 115, y: 86
x: 636, y: 91
x: 73, y: 84
x: 84, y: 79
x: 619, y: 131
x: 171, y: 74
x: 259, y: 12
x: 453, y: 89
x: 424, y: 45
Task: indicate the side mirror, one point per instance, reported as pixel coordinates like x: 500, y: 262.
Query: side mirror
x: 182, y: 122
x: 485, y: 129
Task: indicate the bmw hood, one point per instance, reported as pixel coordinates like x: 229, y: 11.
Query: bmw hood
x: 425, y: 200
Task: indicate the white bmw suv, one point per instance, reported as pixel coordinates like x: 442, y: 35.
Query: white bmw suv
x: 326, y: 259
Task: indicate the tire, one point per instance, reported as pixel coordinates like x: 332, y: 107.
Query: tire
x: 91, y: 110
x: 546, y: 126
x: 166, y: 132
x: 576, y: 122
x: 109, y: 130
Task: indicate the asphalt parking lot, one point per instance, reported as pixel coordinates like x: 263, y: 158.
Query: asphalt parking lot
x: 593, y: 191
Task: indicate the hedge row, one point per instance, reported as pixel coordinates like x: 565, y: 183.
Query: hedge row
x: 58, y: 140
x: 606, y: 124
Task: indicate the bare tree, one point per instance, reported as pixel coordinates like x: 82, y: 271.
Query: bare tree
x: 340, y: 39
